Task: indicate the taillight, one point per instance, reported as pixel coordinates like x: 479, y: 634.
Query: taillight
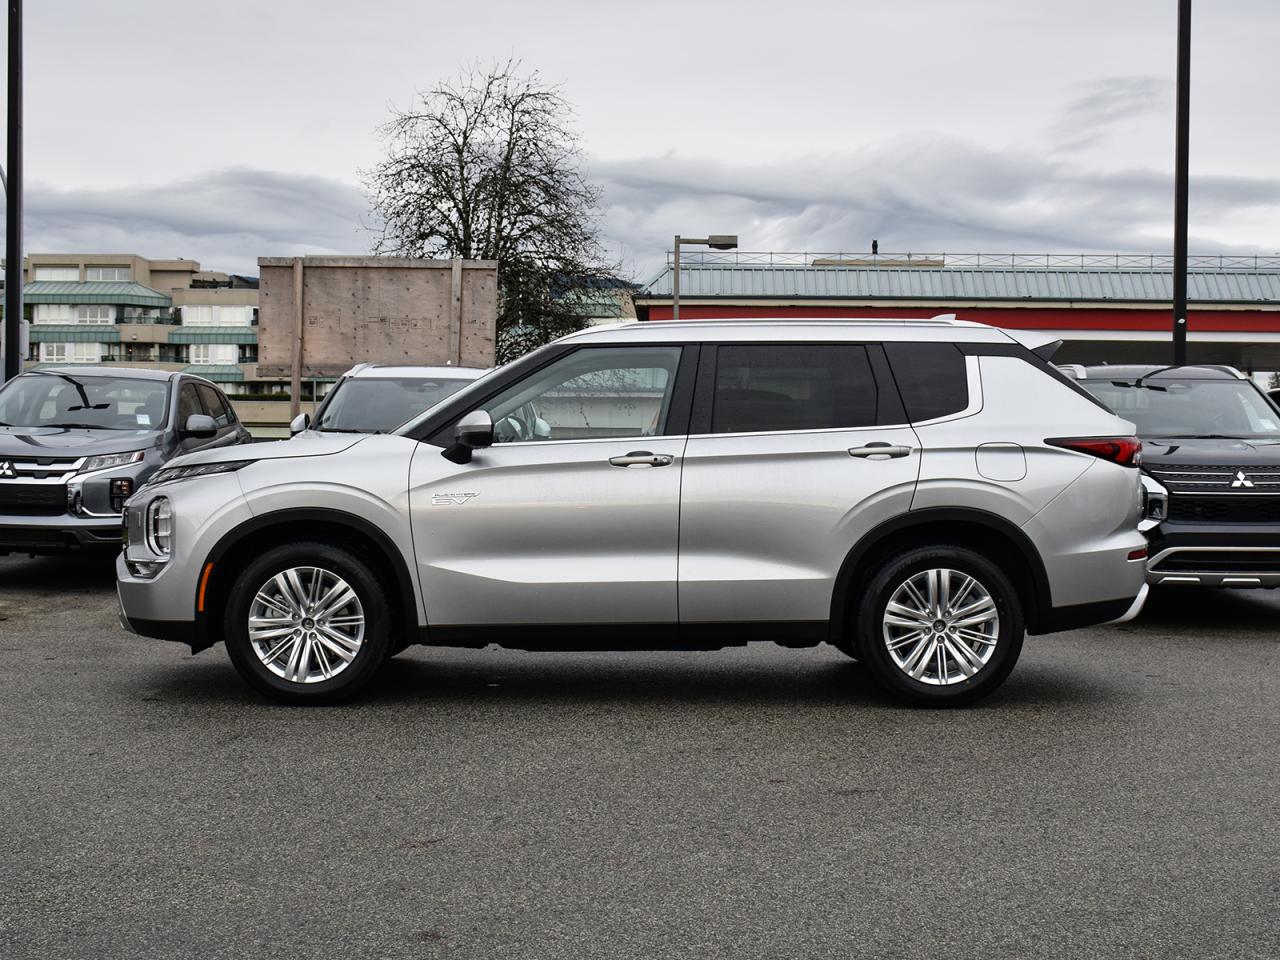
x: 1126, y: 451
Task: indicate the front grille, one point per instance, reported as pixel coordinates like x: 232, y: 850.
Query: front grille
x: 32, y: 499
x: 1196, y: 478
x: 1225, y: 508
x: 1220, y: 561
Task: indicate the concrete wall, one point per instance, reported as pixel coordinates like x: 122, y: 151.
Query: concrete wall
x: 379, y: 309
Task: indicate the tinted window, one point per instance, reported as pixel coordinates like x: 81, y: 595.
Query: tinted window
x: 792, y: 386
x: 931, y: 378
x: 593, y: 392
x: 213, y: 403
x: 188, y: 403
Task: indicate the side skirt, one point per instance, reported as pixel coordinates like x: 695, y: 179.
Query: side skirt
x: 626, y: 636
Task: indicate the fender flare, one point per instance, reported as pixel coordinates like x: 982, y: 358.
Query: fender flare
x: 1042, y: 598
x: 404, y: 579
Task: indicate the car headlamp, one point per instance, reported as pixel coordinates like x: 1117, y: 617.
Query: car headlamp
x: 107, y: 461
x: 159, y: 526
x: 169, y: 474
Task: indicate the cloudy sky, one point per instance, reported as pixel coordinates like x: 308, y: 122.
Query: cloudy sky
x: 229, y: 130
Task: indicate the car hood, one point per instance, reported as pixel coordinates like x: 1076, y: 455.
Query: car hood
x: 1210, y: 453
x: 31, y: 442
x: 299, y: 446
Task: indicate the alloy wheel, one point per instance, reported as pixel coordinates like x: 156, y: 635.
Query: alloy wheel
x: 941, y: 626
x: 306, y: 624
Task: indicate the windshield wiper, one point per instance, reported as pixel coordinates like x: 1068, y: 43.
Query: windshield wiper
x: 76, y: 426
x: 323, y: 429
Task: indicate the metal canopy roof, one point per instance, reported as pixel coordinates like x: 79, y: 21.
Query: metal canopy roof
x: 1098, y: 285
x: 74, y: 333
x: 222, y: 372
x: 214, y: 335
x: 114, y: 292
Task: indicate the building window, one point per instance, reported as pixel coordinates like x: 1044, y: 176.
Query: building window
x: 215, y: 353
x: 116, y: 274
x: 206, y: 315
x: 95, y: 314
x: 70, y: 352
x: 42, y: 313
x: 58, y: 273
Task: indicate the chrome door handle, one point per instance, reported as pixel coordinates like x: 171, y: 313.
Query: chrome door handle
x: 642, y: 458
x: 879, y: 451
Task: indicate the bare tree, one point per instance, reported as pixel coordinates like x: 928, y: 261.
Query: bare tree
x: 488, y: 167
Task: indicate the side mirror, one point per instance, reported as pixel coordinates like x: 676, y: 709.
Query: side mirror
x: 199, y: 427
x: 299, y: 423
x: 473, y: 432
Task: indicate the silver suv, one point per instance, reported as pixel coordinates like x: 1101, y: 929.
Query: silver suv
x: 918, y: 494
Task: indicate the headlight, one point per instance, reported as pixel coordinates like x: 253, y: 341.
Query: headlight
x: 159, y: 526
x: 109, y: 460
x: 196, y: 470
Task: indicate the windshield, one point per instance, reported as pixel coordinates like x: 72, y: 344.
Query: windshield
x: 1190, y: 408
x: 380, y: 404
x: 83, y: 402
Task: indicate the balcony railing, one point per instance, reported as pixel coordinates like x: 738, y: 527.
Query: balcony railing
x: 992, y: 261
x: 167, y: 318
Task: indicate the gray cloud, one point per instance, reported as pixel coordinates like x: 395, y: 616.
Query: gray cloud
x: 225, y: 219
x: 918, y: 194
x: 1102, y: 105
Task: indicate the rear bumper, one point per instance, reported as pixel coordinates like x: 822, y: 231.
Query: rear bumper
x: 1204, y: 555
x: 43, y: 535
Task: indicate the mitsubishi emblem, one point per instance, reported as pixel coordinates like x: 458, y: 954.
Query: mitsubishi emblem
x: 6, y: 469
x: 1241, y: 481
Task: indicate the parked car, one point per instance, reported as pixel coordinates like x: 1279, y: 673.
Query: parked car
x: 1211, y: 444
x: 377, y: 398
x: 76, y: 442
x: 917, y: 494
x: 1274, y: 395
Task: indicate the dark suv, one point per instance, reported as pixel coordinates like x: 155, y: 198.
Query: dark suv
x: 1211, y: 444
x: 76, y: 442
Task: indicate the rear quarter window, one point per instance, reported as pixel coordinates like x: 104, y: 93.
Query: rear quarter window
x: 932, y: 378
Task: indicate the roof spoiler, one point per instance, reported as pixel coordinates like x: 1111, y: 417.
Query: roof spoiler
x: 1043, y: 345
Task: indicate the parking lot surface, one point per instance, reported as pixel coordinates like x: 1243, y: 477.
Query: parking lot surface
x: 1116, y: 798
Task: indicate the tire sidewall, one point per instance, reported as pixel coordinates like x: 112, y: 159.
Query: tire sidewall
x: 889, y: 575
x: 373, y: 600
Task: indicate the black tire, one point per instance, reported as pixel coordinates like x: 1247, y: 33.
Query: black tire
x: 870, y: 644
x: 372, y: 653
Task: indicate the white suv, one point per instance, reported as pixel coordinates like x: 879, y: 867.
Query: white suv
x: 918, y: 494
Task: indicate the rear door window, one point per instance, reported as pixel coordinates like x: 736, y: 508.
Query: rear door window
x: 932, y: 378
x: 793, y: 386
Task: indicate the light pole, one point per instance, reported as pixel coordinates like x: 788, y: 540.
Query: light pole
x: 1183, y: 123
x: 717, y: 241
x: 13, y: 202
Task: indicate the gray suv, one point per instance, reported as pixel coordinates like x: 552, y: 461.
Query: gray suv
x: 77, y: 442
x: 918, y: 494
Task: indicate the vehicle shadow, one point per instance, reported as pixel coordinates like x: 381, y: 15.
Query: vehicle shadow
x: 92, y: 570
x: 756, y: 677
x: 1194, y: 609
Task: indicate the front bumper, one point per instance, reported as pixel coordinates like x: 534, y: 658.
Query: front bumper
x: 141, y: 616
x: 1215, y: 555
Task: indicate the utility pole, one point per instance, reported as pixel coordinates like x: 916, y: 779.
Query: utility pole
x: 1180, y: 185
x: 13, y: 202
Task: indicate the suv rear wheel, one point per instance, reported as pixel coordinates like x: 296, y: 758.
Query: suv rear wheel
x: 939, y: 626
x: 307, y: 623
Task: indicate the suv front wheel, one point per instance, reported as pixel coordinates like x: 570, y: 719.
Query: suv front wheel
x: 939, y: 626
x: 307, y: 623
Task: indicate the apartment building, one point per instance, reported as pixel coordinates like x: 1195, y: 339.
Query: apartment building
x: 122, y: 308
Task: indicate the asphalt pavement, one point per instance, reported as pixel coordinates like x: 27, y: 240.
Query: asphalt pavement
x: 1116, y: 798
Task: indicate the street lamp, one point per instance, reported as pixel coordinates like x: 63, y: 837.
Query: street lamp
x: 717, y: 241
